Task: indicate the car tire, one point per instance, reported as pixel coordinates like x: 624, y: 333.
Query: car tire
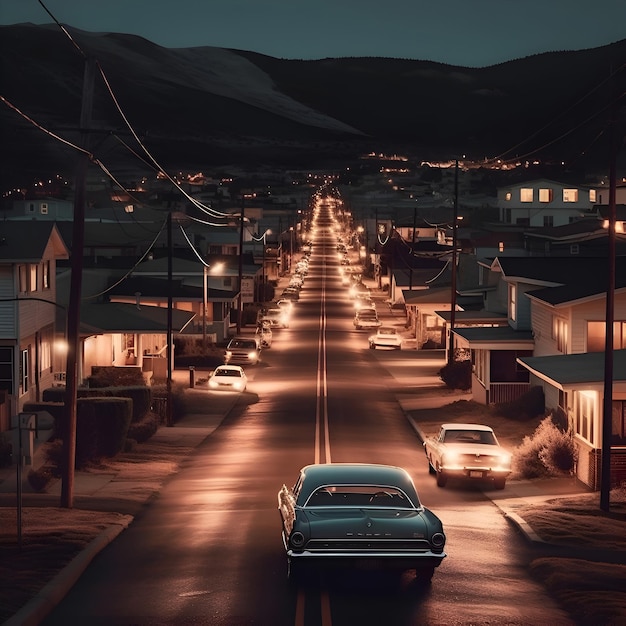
x: 442, y: 479
x: 431, y: 469
x: 372, y: 346
x: 499, y: 483
x: 424, y: 575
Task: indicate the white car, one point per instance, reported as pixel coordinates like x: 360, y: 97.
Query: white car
x: 386, y: 337
x: 467, y: 451
x: 366, y: 318
x: 229, y: 378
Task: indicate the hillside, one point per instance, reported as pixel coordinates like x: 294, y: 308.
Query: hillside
x: 197, y: 107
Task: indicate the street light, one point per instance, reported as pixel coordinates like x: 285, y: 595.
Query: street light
x: 263, y: 278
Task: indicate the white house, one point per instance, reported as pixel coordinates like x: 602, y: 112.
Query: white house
x: 543, y: 202
x: 28, y: 307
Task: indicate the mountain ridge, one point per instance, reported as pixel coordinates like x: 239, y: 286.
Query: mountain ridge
x: 202, y: 106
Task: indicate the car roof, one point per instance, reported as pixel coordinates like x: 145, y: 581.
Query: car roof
x: 314, y: 476
x: 453, y: 426
x: 229, y: 367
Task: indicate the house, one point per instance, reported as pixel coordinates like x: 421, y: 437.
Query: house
x: 544, y: 202
x: 28, y: 307
x: 554, y: 338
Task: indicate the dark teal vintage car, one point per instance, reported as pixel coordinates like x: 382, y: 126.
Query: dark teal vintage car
x: 358, y: 515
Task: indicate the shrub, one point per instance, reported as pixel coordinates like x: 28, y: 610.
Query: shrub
x: 457, y: 375
x: 111, y: 376
x: 39, y: 479
x: 144, y: 428
x: 547, y: 452
x: 526, y: 407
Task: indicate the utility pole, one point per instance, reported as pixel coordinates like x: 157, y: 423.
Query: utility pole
x: 239, y: 301
x: 607, y: 406
x: 454, y: 255
x: 169, y: 419
x: 73, y: 312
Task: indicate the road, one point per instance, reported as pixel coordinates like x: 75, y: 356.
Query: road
x: 208, y: 549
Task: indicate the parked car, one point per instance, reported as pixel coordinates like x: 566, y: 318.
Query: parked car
x: 345, y: 514
x: 229, y: 378
x: 243, y: 350
x: 276, y: 317
x: 386, y: 337
x: 366, y: 318
x: 264, y: 334
x: 467, y: 451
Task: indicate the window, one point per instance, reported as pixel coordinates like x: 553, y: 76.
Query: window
x: 31, y: 207
x: 34, y: 277
x: 559, y: 333
x: 22, y: 275
x: 585, y: 402
x: 508, y: 195
x: 506, y: 216
x: 25, y: 370
x: 526, y: 194
x: 546, y: 195
x: 501, y: 246
x: 43, y: 208
x: 592, y: 195
x: 548, y: 220
x: 570, y: 195
x: 6, y: 369
x: 512, y: 301
x: 596, y: 336
x: 46, y: 275
x: 574, y: 249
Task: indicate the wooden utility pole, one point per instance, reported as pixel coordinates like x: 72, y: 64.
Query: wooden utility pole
x: 73, y: 312
x: 169, y: 420
x: 455, y: 219
x: 239, y: 300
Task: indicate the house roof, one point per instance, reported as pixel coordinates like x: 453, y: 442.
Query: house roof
x: 573, y: 369
x: 22, y: 242
x: 496, y: 338
x: 155, y: 287
x: 120, y: 317
x: 474, y: 317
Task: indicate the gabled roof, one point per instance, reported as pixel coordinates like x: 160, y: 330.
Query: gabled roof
x: 119, y: 317
x: 26, y: 242
x: 573, y: 369
x: 496, y: 338
x: 550, y: 271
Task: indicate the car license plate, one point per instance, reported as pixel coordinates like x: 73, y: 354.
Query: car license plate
x: 475, y: 474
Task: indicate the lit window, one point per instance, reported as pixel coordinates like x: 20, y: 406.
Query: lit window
x: 34, y: 275
x: 559, y: 333
x: 526, y: 194
x: 25, y: 370
x: 46, y: 275
x: 545, y: 195
x: 508, y: 195
x: 23, y: 285
x: 592, y: 195
x: 570, y: 195
x: 512, y: 302
x: 501, y: 246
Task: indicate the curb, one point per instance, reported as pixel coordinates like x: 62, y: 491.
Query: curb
x: 37, y: 609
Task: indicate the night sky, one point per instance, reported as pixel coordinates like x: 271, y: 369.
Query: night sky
x: 470, y: 33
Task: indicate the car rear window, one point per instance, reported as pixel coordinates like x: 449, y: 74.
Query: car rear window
x: 360, y: 496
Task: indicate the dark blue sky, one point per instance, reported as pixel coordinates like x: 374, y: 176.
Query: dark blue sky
x: 471, y: 33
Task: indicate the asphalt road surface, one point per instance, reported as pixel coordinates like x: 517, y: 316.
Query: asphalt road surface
x: 208, y: 549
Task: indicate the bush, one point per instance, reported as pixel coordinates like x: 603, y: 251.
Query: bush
x: 549, y: 451
x: 526, y: 407
x: 457, y: 375
x: 39, y: 479
x: 111, y: 376
x: 144, y: 428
